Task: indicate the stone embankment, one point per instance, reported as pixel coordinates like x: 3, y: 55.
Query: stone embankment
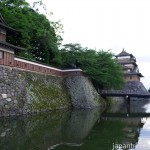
x: 137, y: 104
x: 135, y: 86
x: 83, y: 94
x: 119, y: 103
x: 25, y: 92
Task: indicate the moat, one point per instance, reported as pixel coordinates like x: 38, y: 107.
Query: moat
x: 79, y: 130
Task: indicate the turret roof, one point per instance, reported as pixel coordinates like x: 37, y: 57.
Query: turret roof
x: 124, y: 53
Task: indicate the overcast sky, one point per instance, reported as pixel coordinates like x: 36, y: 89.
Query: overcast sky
x: 107, y: 24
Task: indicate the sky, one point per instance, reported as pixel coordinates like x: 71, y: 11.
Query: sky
x: 107, y: 24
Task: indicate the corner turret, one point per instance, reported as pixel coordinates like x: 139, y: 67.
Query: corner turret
x: 130, y: 67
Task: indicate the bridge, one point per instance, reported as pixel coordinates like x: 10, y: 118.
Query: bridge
x: 124, y: 93
x: 125, y: 115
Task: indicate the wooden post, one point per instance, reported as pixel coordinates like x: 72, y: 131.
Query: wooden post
x: 128, y: 104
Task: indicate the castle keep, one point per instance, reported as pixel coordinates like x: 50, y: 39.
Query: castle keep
x: 130, y: 68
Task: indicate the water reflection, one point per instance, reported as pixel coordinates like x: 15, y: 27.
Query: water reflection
x: 42, y: 132
x: 144, y: 138
x: 78, y: 130
x: 136, y: 117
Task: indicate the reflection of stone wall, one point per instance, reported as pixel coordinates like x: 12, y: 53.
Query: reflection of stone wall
x: 37, y: 132
x: 46, y: 131
x: 116, y: 103
x: 80, y: 124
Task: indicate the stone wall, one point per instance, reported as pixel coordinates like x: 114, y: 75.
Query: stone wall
x: 137, y: 104
x: 83, y: 94
x: 119, y: 103
x: 136, y: 86
x: 24, y: 92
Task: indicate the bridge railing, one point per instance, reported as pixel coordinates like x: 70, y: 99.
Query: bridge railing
x: 123, y: 92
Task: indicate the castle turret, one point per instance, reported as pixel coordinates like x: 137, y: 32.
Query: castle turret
x: 130, y: 68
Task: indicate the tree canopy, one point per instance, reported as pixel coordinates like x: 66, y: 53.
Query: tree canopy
x: 37, y: 34
x: 100, y: 65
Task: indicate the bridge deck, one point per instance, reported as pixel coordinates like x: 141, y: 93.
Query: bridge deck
x: 122, y: 93
x: 126, y: 115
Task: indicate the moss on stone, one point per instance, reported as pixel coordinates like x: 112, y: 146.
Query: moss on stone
x: 45, y: 93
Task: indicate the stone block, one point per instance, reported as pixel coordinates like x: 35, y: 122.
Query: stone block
x: 8, y: 99
x: 4, y: 91
x: 1, y: 103
x: 1, y: 108
x: 15, y: 102
x: 9, y: 95
x: 12, y: 94
x: 7, y: 107
x: 3, y: 134
x: 4, y: 96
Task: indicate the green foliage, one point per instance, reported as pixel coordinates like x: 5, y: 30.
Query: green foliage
x: 37, y: 34
x: 99, y: 65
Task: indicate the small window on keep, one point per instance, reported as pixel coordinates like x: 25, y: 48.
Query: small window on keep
x: 1, y: 55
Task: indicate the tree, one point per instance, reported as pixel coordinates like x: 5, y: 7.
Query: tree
x: 99, y: 65
x: 70, y: 54
x: 37, y: 34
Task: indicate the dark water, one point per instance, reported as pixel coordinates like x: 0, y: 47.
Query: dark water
x: 80, y: 130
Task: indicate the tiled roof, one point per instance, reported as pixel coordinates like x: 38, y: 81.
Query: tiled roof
x: 4, y: 25
x: 2, y: 19
x: 5, y: 44
x: 138, y: 74
x: 124, y: 53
